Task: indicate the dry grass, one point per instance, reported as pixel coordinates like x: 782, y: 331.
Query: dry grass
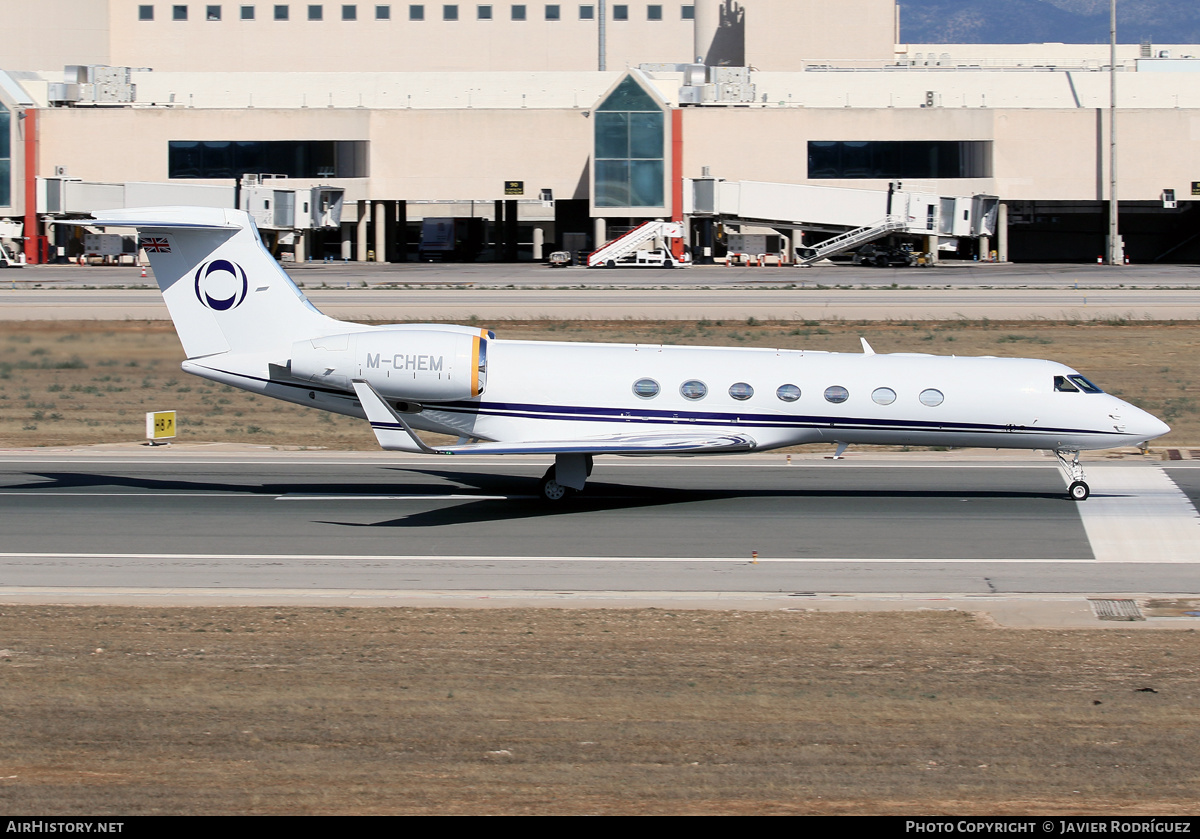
x: 289, y: 710
x: 92, y: 382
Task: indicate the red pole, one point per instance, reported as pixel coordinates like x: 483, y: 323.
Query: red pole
x: 32, y: 251
x: 677, y: 245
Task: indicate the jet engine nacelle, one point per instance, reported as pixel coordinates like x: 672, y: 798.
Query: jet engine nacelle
x: 418, y: 365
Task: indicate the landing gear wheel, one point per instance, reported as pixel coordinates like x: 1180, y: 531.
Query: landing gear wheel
x: 552, y: 491
x: 1078, y: 491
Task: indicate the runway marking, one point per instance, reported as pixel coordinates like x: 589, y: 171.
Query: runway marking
x: 63, y: 494
x: 348, y: 497
x: 742, y: 560
x: 1142, y: 516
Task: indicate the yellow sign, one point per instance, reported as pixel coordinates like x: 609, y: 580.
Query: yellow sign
x: 160, y: 425
x: 514, y: 187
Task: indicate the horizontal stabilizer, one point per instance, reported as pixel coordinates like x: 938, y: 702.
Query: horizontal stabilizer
x: 166, y: 218
x: 394, y: 434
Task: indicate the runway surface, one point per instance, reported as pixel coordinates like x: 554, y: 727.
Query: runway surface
x: 493, y: 305
x: 177, y: 522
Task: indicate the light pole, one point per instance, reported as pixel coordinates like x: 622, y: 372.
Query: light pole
x: 602, y: 36
x: 1115, y: 255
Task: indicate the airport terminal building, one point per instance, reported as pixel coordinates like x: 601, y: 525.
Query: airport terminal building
x: 528, y: 127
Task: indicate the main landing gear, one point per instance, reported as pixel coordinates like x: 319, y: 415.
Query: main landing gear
x: 1073, y: 469
x: 565, y: 478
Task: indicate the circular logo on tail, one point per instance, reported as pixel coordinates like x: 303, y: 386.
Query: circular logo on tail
x: 221, y: 285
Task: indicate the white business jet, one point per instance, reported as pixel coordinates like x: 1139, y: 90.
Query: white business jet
x: 243, y: 322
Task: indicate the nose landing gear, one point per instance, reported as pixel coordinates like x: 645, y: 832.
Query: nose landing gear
x: 1073, y: 470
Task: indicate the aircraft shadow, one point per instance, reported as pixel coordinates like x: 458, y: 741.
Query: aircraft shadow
x: 603, y: 496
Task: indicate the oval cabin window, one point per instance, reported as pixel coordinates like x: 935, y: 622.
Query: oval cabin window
x: 645, y: 388
x: 883, y: 396
x: 741, y: 391
x: 788, y: 393
x: 693, y: 389
x: 836, y: 394
x: 932, y: 397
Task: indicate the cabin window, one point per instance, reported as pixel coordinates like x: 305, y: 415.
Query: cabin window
x: 646, y: 388
x: 883, y: 396
x: 693, y: 389
x: 741, y: 391
x: 836, y: 394
x: 1085, y: 385
x: 932, y: 397
x: 788, y: 393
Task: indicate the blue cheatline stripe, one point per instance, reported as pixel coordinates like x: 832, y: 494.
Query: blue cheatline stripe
x: 618, y: 415
x: 578, y: 413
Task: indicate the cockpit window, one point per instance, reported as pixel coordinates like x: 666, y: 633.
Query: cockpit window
x: 1063, y: 385
x: 1085, y: 385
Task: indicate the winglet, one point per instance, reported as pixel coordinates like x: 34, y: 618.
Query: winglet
x: 392, y: 432
x: 866, y: 347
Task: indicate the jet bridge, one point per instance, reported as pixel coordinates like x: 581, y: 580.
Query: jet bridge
x: 853, y: 216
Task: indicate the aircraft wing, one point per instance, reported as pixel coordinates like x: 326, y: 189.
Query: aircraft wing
x: 394, y: 434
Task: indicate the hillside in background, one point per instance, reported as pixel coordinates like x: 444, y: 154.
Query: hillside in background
x: 1042, y: 21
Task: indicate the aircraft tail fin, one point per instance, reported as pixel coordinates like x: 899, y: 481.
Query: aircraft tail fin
x: 224, y: 290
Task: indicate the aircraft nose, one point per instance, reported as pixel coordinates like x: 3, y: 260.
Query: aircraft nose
x: 1145, y: 426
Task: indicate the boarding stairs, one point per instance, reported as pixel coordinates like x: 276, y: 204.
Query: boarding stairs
x: 625, y: 245
x: 852, y: 238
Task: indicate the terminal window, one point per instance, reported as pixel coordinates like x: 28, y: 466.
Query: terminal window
x: 316, y: 12
x: 518, y: 12
x: 450, y: 12
x: 630, y: 139
x: 227, y: 159
x: 383, y: 12
x: 212, y: 12
x: 687, y: 12
x: 145, y: 13
x: 247, y: 13
x: 483, y: 12
x: 281, y: 12
x: 416, y: 12
x: 553, y: 12
x: 179, y: 13
x: 620, y: 13
x: 654, y: 12
x: 349, y: 12
x: 5, y: 158
x: 899, y: 159
x: 587, y: 12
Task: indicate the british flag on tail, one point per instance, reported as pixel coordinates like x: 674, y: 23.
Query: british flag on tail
x: 156, y: 244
